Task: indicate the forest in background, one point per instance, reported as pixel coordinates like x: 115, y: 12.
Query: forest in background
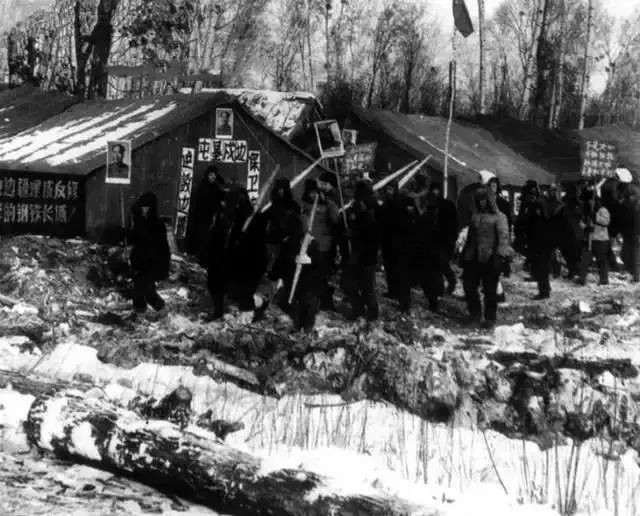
x: 537, y: 57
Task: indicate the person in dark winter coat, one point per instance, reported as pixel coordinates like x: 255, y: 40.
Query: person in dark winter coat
x: 206, y: 204
x: 486, y: 247
x: 611, y: 201
x: 150, y: 255
x: 359, y: 274
x: 283, y: 231
x: 540, y: 242
x: 325, y: 225
x: 504, y: 206
x: 556, y: 207
x: 387, y: 215
x: 631, y: 232
x: 446, y: 216
x: 237, y: 258
x: 571, y: 234
x: 530, y: 193
x: 418, y: 259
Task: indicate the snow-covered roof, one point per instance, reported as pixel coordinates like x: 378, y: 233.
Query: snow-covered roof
x: 471, y: 148
x: 73, y: 142
x: 286, y: 113
x: 26, y: 106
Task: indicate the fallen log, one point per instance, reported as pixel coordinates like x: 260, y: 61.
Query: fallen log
x: 191, y: 464
x: 8, y: 301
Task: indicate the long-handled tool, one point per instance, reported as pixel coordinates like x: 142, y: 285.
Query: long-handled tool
x: 403, y: 182
x: 261, y: 197
x: 304, y: 247
x: 386, y: 180
x: 298, y: 179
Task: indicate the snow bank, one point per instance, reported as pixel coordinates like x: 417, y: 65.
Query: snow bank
x: 365, y: 443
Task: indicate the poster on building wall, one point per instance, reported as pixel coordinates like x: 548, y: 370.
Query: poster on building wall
x: 349, y: 137
x: 222, y: 151
x: 184, y: 191
x: 224, y: 124
x: 599, y: 159
x: 329, y: 139
x: 118, y: 163
x: 39, y: 204
x: 253, y: 175
x: 359, y: 159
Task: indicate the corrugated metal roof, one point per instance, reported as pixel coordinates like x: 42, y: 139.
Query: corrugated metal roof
x: 471, y: 148
x: 73, y: 142
x: 26, y: 106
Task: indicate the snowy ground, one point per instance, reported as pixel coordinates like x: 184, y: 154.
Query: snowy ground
x: 457, y: 470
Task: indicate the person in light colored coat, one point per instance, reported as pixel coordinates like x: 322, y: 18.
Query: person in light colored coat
x: 486, y: 247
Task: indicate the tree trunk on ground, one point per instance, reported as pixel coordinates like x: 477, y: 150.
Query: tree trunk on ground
x: 585, y: 69
x: 481, y: 107
x: 195, y: 466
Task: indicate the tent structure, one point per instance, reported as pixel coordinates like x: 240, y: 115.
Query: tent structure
x: 471, y: 148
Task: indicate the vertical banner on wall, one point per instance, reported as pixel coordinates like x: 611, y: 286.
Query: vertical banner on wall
x: 184, y: 191
x: 253, y: 175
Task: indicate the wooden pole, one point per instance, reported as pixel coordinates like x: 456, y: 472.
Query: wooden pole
x: 452, y: 81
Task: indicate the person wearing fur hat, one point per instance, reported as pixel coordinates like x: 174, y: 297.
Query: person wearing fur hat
x: 486, y: 247
x: 446, y: 216
x: 325, y: 227
x: 595, y: 226
x: 282, y: 234
x: 419, y: 260
x: 359, y: 274
x: 150, y: 256
x: 206, y: 203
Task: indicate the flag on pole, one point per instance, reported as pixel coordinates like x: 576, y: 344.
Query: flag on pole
x: 461, y: 18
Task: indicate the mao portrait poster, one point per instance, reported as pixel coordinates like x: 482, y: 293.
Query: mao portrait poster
x: 224, y: 124
x: 118, y: 163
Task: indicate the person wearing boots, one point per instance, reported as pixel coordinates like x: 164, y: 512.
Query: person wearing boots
x: 359, y: 274
x: 248, y: 256
x: 387, y: 215
x: 540, y: 242
x: 150, y: 255
x: 419, y: 259
x: 486, y: 247
x: 447, y: 230
x: 325, y: 225
x: 283, y: 230
x: 596, y: 228
x: 206, y: 203
x: 571, y: 233
x: 218, y: 257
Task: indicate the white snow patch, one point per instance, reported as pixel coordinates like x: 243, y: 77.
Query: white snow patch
x: 52, y: 426
x: 83, y: 441
x: 14, y: 408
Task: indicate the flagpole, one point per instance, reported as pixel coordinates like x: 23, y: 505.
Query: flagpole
x: 453, y: 73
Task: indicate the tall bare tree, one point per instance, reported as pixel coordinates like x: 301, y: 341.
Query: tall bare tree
x: 481, y: 35
x: 584, y: 83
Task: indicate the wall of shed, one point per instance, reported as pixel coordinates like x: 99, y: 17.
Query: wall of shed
x: 156, y: 167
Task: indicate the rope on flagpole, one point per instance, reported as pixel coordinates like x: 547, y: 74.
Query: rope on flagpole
x: 453, y: 73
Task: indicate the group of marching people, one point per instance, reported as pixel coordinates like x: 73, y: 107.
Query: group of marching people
x: 582, y: 225
x: 304, y: 247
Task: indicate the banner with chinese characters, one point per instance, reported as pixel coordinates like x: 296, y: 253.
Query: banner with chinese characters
x: 253, y: 175
x: 184, y: 191
x: 38, y: 203
x: 599, y: 159
x: 359, y: 159
x: 222, y: 151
